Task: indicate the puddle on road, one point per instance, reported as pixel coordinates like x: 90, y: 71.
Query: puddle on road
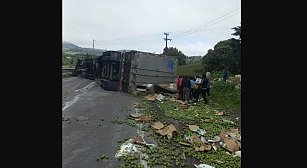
x: 78, y: 93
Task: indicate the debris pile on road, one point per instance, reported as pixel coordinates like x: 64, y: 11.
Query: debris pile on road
x: 151, y: 97
x: 160, y: 98
x: 128, y: 148
x: 168, y: 131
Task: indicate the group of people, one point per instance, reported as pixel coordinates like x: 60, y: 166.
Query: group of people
x: 191, y: 87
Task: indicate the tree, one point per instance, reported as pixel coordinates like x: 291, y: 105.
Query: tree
x: 225, y: 55
x: 175, y: 53
x: 237, y: 31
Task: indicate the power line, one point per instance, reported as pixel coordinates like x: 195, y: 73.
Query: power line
x: 212, y: 20
x: 204, y: 27
x: 131, y: 37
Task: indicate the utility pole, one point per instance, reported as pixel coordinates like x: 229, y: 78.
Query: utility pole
x: 93, y: 48
x: 166, y: 34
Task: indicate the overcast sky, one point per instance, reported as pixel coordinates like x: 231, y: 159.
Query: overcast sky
x: 139, y: 24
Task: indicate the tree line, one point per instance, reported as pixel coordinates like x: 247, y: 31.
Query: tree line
x: 225, y: 54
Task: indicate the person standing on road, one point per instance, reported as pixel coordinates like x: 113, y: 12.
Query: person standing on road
x: 186, y: 84
x: 179, y: 86
x: 225, y: 75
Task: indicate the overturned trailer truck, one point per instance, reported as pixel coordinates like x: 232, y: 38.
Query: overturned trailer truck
x: 85, y: 68
x: 125, y: 71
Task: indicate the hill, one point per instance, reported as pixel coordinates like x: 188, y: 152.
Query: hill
x: 70, y: 48
x: 190, y: 69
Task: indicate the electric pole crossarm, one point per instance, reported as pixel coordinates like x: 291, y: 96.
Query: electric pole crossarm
x: 166, y: 39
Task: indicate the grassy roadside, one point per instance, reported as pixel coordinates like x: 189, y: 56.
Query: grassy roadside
x: 222, y: 113
x: 170, y: 153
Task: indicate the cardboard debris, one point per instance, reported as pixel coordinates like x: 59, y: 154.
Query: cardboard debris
x: 231, y: 145
x: 185, y: 144
x: 158, y: 125
x: 136, y: 115
x: 234, y: 134
x: 144, y: 118
x: 231, y: 140
x: 203, y: 166
x: 219, y: 113
x: 194, y: 139
x: 151, y: 97
x: 223, y: 135
x: 170, y: 130
x: 183, y: 106
x: 138, y: 140
x: 202, y: 148
x: 231, y: 134
x: 193, y: 128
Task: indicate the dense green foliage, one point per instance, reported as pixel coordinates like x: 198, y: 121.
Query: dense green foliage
x: 227, y: 95
x: 225, y: 55
x: 181, y: 58
x: 71, y: 60
x: 237, y: 31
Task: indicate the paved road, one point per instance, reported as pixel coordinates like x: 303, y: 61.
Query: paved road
x: 85, y: 136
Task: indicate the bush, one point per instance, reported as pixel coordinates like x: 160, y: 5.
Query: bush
x: 227, y: 95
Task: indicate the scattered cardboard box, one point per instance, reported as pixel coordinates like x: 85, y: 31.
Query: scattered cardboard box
x: 158, y: 125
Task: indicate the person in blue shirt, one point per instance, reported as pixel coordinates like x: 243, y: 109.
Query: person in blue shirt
x: 192, y: 93
x: 225, y: 75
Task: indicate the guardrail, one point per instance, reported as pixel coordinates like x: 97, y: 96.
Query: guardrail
x: 66, y: 70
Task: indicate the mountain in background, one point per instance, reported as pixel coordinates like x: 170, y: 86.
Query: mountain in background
x: 70, y: 48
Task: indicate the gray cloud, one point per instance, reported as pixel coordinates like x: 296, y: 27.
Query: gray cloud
x: 104, y: 20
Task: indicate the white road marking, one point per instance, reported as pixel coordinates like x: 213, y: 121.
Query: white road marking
x: 79, y: 93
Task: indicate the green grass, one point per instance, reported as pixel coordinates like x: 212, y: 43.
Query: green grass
x: 170, y: 153
x: 198, y: 115
x: 190, y: 69
x: 226, y: 95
